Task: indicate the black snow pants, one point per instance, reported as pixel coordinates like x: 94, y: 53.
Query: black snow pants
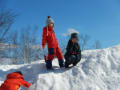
x: 72, y: 59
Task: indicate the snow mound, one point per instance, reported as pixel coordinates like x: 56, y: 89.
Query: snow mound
x: 98, y: 70
x: 5, y: 61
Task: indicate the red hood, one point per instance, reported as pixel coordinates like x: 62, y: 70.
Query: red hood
x: 14, y: 76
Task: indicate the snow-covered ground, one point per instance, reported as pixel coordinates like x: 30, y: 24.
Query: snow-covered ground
x: 98, y: 70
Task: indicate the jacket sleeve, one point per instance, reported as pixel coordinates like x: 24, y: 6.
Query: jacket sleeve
x: 25, y: 83
x: 69, y: 47
x: 79, y: 50
x: 44, y: 37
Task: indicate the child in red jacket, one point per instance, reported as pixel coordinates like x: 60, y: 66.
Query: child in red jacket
x: 50, y: 39
x: 14, y: 81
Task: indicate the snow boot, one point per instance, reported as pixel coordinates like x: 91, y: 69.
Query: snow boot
x: 74, y: 64
x: 66, y: 65
x: 61, y: 63
x: 49, y: 64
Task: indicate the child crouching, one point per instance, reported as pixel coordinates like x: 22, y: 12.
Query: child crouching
x: 14, y: 81
x: 73, y: 54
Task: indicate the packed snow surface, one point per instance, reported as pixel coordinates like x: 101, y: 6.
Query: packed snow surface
x: 98, y: 70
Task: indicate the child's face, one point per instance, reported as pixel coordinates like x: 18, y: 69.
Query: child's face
x: 74, y: 40
x: 51, y: 25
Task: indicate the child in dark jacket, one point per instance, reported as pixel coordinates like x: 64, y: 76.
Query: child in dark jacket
x: 73, y: 54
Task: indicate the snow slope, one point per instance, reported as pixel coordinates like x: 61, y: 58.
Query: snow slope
x: 98, y: 70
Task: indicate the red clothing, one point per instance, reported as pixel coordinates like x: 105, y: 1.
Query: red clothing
x: 56, y: 52
x: 49, y: 38
x: 14, y: 81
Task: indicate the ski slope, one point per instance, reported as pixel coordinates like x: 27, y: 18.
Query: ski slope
x: 98, y: 70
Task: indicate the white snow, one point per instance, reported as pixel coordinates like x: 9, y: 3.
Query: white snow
x: 98, y: 70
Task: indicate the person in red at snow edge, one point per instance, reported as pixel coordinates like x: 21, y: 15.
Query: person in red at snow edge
x: 50, y: 39
x: 14, y: 81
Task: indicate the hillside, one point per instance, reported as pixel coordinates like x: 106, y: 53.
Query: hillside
x: 98, y: 70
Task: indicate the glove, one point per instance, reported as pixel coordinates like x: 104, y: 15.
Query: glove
x: 43, y: 46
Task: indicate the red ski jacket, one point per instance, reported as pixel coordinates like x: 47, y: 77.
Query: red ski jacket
x: 49, y: 38
x: 13, y: 82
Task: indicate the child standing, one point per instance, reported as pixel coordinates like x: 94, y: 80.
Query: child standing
x: 50, y: 39
x: 14, y: 81
x: 73, y: 54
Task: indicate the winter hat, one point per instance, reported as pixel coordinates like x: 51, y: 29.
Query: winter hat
x: 19, y: 72
x: 74, y: 35
x: 49, y: 20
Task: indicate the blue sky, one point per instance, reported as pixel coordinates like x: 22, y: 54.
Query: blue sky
x: 100, y: 19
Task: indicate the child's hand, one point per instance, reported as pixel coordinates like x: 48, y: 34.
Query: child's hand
x: 43, y: 46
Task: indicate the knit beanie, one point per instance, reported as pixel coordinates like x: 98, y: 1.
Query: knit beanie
x: 74, y: 35
x: 49, y: 21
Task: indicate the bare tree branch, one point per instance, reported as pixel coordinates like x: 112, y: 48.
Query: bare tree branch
x: 83, y: 41
x: 97, y: 44
x: 6, y: 20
